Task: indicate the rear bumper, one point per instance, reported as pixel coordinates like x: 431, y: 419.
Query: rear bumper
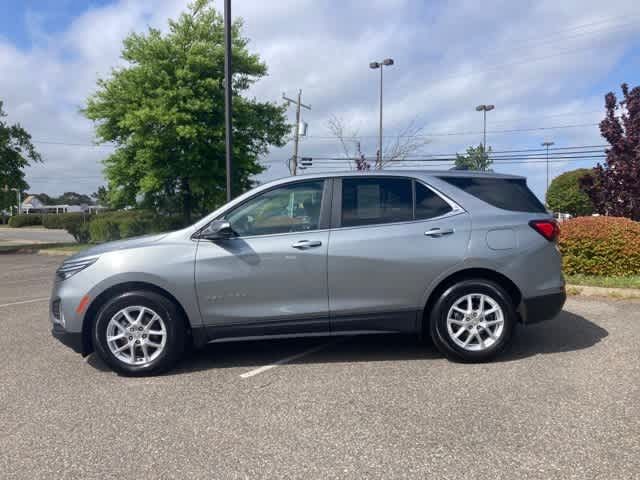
x: 544, y: 307
x: 73, y: 340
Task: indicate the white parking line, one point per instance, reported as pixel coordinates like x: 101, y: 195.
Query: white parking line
x: 33, y: 300
x: 257, y: 371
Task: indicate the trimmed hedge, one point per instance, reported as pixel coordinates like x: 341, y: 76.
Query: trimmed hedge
x: 603, y: 246
x: 109, y: 226
x: 18, y: 221
x: 61, y: 220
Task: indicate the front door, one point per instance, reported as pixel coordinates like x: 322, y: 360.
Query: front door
x: 271, y: 277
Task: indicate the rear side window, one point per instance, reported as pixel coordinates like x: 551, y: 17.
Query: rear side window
x: 506, y: 193
x: 429, y: 204
x: 368, y: 201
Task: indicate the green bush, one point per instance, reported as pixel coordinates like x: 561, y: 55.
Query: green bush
x: 134, y: 226
x: 61, y: 220
x: 18, y: 221
x: 603, y: 246
x: 79, y: 230
x: 76, y: 224
x: 566, y: 195
x: 103, y: 229
x: 108, y: 226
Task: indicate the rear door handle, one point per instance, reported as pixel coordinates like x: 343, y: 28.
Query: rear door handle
x: 302, y: 244
x: 439, y: 232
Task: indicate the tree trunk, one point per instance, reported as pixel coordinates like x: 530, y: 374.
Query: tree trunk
x: 187, y: 206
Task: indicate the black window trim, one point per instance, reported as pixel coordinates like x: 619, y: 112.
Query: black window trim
x: 325, y: 208
x: 336, y: 203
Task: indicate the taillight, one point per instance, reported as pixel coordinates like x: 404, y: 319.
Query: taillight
x: 547, y: 228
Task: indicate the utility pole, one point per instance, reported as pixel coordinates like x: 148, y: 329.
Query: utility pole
x: 296, y: 139
x: 228, y: 120
x: 547, y: 144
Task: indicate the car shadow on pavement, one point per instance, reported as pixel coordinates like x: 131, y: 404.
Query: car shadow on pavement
x: 566, y: 333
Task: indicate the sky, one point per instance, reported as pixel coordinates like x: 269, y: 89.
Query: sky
x: 545, y: 65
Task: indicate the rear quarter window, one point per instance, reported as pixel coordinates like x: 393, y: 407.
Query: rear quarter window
x: 505, y: 193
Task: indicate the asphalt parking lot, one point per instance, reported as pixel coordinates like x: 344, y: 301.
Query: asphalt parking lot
x: 564, y: 402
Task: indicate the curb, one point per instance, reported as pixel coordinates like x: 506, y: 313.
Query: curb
x: 589, y: 291
x: 54, y: 253
x: 26, y: 248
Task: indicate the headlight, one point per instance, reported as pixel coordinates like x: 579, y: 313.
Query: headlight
x: 71, y: 267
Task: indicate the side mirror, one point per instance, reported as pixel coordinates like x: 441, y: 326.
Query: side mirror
x: 218, y: 230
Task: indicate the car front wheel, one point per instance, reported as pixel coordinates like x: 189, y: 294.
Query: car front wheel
x: 472, y: 320
x: 139, y: 333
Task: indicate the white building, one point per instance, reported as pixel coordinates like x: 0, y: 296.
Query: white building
x: 33, y: 204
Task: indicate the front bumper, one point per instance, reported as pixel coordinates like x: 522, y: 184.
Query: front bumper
x: 65, y: 317
x: 543, y: 307
x: 73, y: 340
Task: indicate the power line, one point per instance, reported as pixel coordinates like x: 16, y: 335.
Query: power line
x: 449, y: 134
x: 570, y: 33
x: 447, y: 163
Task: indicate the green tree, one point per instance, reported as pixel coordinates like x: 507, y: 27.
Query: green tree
x: 475, y: 159
x: 566, y: 195
x: 16, y: 153
x: 164, y: 111
x: 101, y: 196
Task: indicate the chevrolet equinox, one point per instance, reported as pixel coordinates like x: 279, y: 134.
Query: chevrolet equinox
x: 460, y: 257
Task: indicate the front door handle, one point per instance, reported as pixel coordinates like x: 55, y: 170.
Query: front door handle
x: 302, y: 244
x: 439, y: 232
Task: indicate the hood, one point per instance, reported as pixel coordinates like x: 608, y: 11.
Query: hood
x: 135, y: 242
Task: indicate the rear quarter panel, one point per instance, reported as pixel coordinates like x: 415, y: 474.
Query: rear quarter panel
x: 515, y: 249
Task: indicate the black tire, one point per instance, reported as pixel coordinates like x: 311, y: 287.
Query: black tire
x: 173, y: 321
x: 443, y: 340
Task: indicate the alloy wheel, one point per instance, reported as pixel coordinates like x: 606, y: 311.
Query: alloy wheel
x: 475, y: 322
x: 136, y: 335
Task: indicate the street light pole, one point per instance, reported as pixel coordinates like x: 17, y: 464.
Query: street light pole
x: 484, y: 109
x: 547, y: 144
x: 373, y: 65
x: 18, y: 195
x: 228, y: 94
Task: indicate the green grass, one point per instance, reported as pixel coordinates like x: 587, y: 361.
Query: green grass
x: 613, y: 282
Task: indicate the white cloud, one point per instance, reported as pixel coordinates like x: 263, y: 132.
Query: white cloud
x: 535, y: 62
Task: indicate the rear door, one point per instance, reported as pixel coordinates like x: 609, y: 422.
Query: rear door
x: 390, y: 238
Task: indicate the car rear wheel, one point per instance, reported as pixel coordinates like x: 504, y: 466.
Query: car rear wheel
x: 472, y: 320
x: 139, y: 333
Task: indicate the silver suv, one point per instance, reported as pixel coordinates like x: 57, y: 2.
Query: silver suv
x: 459, y: 257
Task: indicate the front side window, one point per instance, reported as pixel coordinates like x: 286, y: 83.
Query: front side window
x: 369, y: 201
x: 291, y: 208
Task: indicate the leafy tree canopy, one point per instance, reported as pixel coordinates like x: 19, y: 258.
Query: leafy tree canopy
x: 614, y: 187
x: 16, y: 153
x: 67, y: 198
x: 566, y: 194
x: 475, y: 159
x: 101, y: 196
x: 164, y: 111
